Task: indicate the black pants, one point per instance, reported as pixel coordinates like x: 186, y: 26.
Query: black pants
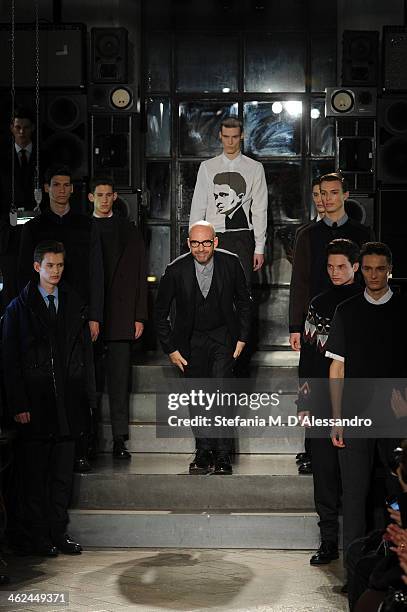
x: 112, y: 364
x: 45, y: 470
x: 210, y: 358
x: 327, y: 486
x: 356, y: 463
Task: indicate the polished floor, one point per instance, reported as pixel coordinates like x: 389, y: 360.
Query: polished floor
x: 172, y: 580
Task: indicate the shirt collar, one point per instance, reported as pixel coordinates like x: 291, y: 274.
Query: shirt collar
x: 45, y: 293
x: 340, y: 221
x: 385, y: 298
x: 204, y: 268
x: 28, y: 148
x: 104, y: 216
x: 228, y: 161
x: 68, y: 210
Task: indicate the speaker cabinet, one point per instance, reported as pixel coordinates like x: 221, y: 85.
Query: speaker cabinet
x: 109, y: 98
x: 361, y: 209
x: 64, y: 134
x: 61, y: 56
x: 355, y: 153
x: 360, y: 58
x: 393, y: 223
x: 350, y: 102
x: 394, y: 58
x: 392, y: 140
x: 109, y: 53
x: 112, y: 148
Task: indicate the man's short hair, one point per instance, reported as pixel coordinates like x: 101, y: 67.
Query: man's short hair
x: 315, y: 181
x: 48, y: 246
x: 334, y: 176
x: 376, y: 248
x: 233, y: 179
x: 60, y: 170
x: 343, y: 246
x: 22, y: 112
x: 101, y: 180
x: 231, y: 122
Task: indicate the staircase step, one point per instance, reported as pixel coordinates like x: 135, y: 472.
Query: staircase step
x: 143, y: 439
x: 280, y: 530
x: 157, y: 482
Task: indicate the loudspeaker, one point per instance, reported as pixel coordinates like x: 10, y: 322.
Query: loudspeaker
x: 355, y: 153
x: 360, y: 57
x: 361, y: 209
x: 64, y: 136
x: 392, y: 140
x: 350, y: 102
x: 61, y: 55
x: 393, y: 223
x: 105, y: 98
x: 395, y: 58
x: 112, y: 148
x: 109, y: 55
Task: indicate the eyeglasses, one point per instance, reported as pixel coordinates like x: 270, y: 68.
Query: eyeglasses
x: 205, y: 243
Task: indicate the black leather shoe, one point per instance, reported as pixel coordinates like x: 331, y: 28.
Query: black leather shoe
x: 301, y: 458
x: 202, y: 463
x: 45, y: 549
x: 327, y: 552
x: 67, y: 546
x: 222, y: 465
x: 119, y: 450
x: 82, y: 465
x: 305, y: 468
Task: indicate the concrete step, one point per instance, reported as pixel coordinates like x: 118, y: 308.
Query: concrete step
x: 161, y: 482
x: 143, y: 439
x: 143, y: 408
x: 279, y: 530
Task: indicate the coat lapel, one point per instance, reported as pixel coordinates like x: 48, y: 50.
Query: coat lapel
x: 189, y: 281
x: 219, y: 273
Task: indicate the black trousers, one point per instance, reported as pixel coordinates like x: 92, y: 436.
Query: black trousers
x: 117, y: 372
x: 327, y: 486
x: 210, y: 358
x: 45, y: 471
x: 356, y: 463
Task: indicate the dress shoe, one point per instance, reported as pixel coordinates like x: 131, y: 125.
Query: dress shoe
x: 67, y: 546
x: 222, y: 465
x: 305, y: 468
x: 202, y: 463
x: 44, y: 548
x: 82, y: 465
x: 119, y: 449
x: 301, y: 457
x: 327, y: 552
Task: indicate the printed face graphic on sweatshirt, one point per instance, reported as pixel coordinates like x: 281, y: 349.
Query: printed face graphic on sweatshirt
x: 228, y: 191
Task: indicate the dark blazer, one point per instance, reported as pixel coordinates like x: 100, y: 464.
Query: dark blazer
x: 126, y: 290
x: 54, y: 383
x: 178, y: 286
x: 23, y: 182
x: 83, y: 263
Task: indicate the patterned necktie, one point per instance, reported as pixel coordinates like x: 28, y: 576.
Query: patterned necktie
x: 52, y: 311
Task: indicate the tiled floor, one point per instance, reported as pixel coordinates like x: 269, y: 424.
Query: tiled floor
x: 181, y: 580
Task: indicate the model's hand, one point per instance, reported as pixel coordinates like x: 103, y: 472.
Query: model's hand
x: 398, y: 404
x: 302, y: 415
x: 138, y: 329
x: 239, y: 348
x: 337, y: 436
x: 177, y: 359
x: 22, y: 417
x: 395, y: 515
x: 94, y: 330
x: 258, y: 261
x: 295, y: 341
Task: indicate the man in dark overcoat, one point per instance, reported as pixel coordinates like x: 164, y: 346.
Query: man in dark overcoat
x: 125, y: 304
x: 211, y: 327
x: 50, y: 389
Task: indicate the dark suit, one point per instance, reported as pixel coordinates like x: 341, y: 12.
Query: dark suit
x: 209, y: 353
x: 48, y: 373
x: 125, y: 302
